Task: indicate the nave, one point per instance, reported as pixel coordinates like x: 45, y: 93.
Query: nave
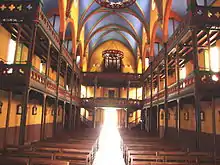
x: 108, y: 145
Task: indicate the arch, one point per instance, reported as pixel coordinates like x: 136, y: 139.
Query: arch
x: 92, y: 52
x: 166, y: 19
x: 153, y: 37
x: 63, y: 22
x: 109, y: 27
x: 70, y: 23
x: 112, y: 30
x: 83, y: 20
x: 117, y: 14
x: 79, y: 53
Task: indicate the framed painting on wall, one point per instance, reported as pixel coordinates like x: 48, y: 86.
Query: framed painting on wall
x: 34, y: 110
x: 19, y: 109
x: 1, y: 105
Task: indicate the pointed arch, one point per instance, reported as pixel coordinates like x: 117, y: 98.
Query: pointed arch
x: 70, y: 22
x: 154, y: 37
x: 166, y: 19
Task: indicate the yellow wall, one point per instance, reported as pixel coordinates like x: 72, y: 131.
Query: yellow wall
x: 97, y: 59
x: 5, y: 38
x: 123, y: 92
x: 132, y: 93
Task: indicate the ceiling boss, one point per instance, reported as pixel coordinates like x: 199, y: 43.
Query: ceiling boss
x: 115, y: 4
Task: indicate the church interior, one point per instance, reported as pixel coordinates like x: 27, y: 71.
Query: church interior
x: 110, y: 82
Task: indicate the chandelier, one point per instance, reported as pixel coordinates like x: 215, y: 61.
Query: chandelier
x: 115, y: 4
x: 113, y: 53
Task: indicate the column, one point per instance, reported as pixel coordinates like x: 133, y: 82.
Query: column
x: 126, y: 118
x: 151, y: 97
x: 196, y: 91
x: 7, y: 119
x: 178, y: 117
x: 128, y: 87
x: 177, y: 68
x: 158, y: 82
x: 95, y: 86
x: 57, y: 90
x: 94, y: 118
x: 27, y: 90
x: 214, y: 125
x: 166, y: 90
x: 74, y: 116
x: 143, y: 91
x: 158, y: 119
x: 43, y: 118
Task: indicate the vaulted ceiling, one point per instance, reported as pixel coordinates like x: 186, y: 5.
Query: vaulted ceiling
x: 127, y: 25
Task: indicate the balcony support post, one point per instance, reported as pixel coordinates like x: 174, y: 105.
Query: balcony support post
x: 57, y: 90
x: 196, y: 90
x: 63, y: 113
x: 95, y: 87
x: 65, y: 76
x: 126, y: 118
x: 166, y: 90
x: 128, y: 88
x: 177, y: 68
x: 151, y: 98
x: 143, y: 91
x: 158, y: 119
x: 158, y: 83
x: 178, y: 117
x: 48, y: 60
x: 73, y: 108
x: 71, y: 112
x: 7, y: 119
x: 214, y: 125
x: 27, y: 89
x: 43, y: 118
x: 94, y: 118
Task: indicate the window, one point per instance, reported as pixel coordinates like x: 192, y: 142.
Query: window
x: 162, y: 116
x: 11, y: 51
x: 147, y: 62
x: 214, y: 55
x: 183, y: 73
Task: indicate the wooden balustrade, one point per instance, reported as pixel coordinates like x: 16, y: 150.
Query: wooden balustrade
x: 13, y: 70
x: 37, y: 76
x: 173, y: 89
x: 111, y: 102
x: 46, y: 25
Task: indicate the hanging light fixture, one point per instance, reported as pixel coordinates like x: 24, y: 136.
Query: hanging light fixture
x: 115, y: 4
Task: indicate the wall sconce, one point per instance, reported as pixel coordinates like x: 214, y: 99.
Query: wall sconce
x: 186, y: 116
x: 34, y: 110
x: 1, y: 105
x: 202, y: 116
x: 19, y: 109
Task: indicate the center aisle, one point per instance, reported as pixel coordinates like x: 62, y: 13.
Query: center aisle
x: 109, y: 152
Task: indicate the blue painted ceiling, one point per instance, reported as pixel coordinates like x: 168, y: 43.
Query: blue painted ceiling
x: 124, y: 25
